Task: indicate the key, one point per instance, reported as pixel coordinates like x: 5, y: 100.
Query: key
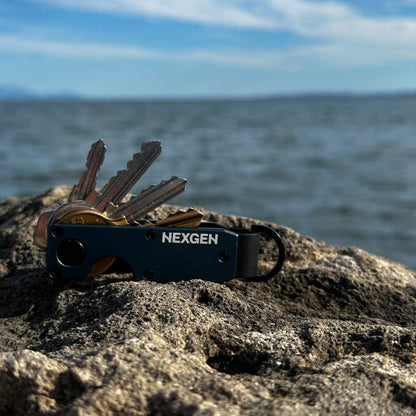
x: 149, y: 199
x: 79, y: 192
x: 120, y: 184
x: 89, y: 178
x: 188, y: 219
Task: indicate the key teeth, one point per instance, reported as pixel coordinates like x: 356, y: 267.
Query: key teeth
x: 144, y: 147
x: 100, y: 146
x: 120, y: 184
x: 146, y: 201
x: 161, y: 183
x: 153, y: 186
x: 86, y: 184
x: 151, y: 143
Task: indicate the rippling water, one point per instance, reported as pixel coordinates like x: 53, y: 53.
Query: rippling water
x: 339, y: 169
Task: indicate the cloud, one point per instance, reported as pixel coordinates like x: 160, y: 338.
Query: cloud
x: 19, y: 44
x: 334, y: 54
x: 229, y: 13
x: 336, y: 34
x: 309, y: 19
x: 76, y: 50
x: 334, y: 20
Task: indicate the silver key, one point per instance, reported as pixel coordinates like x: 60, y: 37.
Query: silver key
x: 120, y: 184
x: 88, y: 179
x: 149, y: 199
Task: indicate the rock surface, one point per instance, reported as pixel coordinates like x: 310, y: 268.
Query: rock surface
x: 333, y: 333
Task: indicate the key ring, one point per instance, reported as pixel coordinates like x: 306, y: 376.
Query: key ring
x: 274, y: 235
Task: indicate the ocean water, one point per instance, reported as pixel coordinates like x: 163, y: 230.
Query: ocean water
x: 342, y: 170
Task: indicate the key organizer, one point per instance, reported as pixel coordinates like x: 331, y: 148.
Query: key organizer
x: 85, y: 235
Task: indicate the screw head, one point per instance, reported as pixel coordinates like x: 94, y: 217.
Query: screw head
x: 223, y: 256
x: 55, y: 272
x: 57, y: 232
x: 150, y: 234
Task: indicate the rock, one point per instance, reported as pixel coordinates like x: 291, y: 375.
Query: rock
x: 333, y: 333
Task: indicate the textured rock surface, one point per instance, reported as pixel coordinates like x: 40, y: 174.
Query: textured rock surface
x: 332, y: 334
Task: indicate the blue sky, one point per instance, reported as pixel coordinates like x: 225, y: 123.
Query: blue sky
x: 170, y: 48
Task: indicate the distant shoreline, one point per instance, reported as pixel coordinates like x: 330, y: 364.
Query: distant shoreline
x: 251, y: 98
x: 17, y: 94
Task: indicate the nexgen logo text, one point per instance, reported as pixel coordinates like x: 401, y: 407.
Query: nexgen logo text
x: 189, y: 238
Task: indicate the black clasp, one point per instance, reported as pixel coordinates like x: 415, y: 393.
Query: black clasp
x: 248, y: 252
x: 273, y: 235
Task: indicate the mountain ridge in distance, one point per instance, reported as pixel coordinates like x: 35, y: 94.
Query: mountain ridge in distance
x: 11, y: 93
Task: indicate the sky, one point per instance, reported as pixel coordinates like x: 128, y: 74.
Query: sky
x: 204, y: 48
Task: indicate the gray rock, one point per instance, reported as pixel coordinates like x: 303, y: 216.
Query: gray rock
x: 333, y: 333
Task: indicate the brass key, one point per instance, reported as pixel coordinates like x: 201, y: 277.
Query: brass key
x: 188, y: 219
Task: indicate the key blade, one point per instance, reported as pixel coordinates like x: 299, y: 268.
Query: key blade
x: 188, y: 219
x: 150, y: 199
x: 89, y: 178
x: 120, y: 184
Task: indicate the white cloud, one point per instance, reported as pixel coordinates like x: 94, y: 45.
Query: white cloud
x: 18, y: 44
x: 229, y: 13
x: 316, y: 19
x: 74, y: 50
x: 337, y: 34
x: 334, y: 54
x: 334, y: 20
